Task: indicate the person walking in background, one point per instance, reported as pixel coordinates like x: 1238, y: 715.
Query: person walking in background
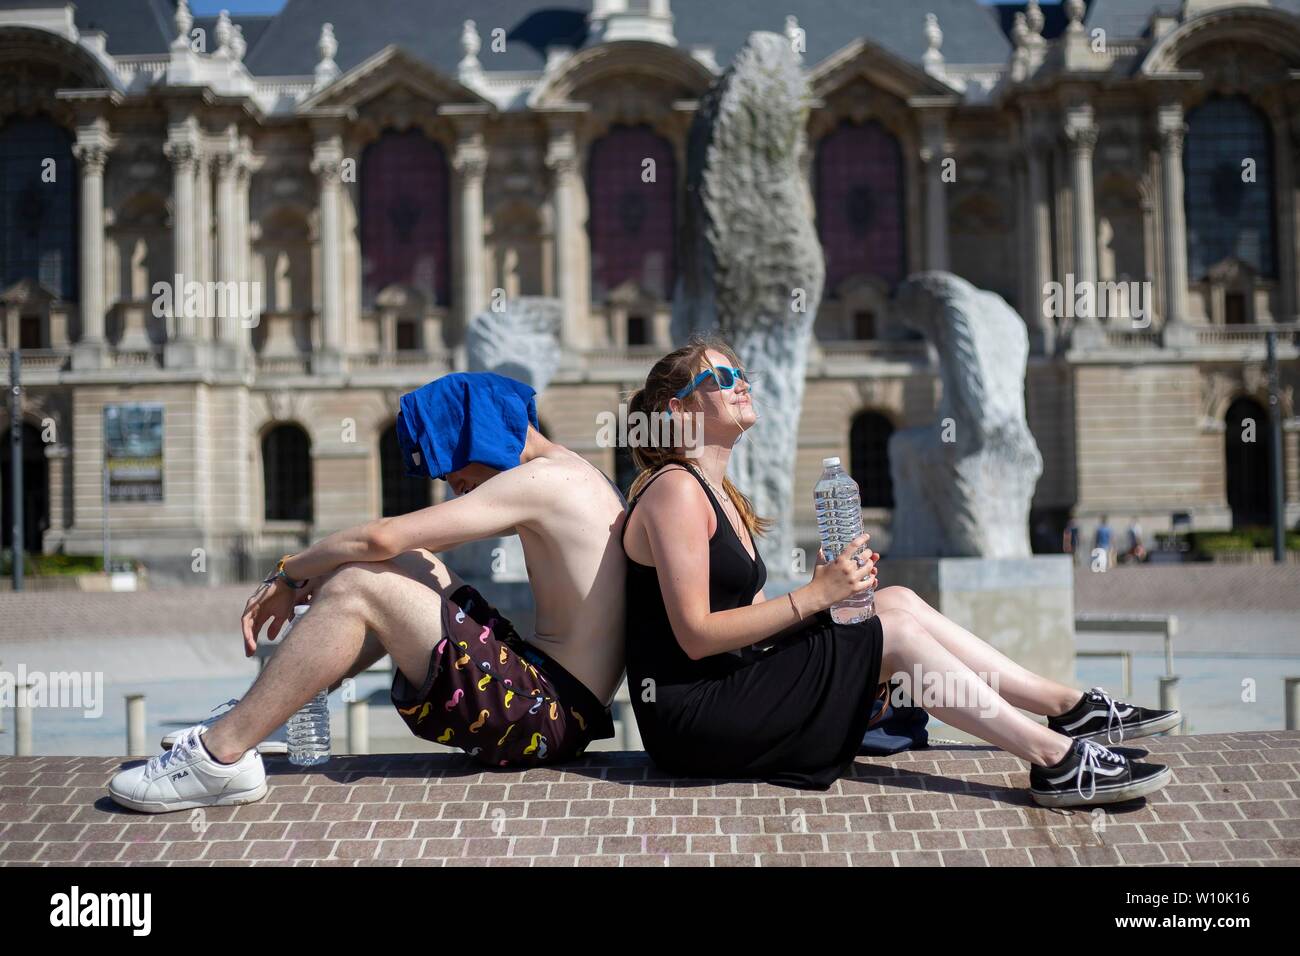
x: 1101, y: 539
x: 1136, y: 549
x: 1070, y: 538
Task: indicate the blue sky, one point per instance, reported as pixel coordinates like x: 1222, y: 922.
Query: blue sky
x: 205, y: 8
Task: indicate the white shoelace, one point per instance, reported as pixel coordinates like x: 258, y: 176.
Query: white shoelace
x: 1089, y: 761
x: 1112, y: 715
x: 187, y: 744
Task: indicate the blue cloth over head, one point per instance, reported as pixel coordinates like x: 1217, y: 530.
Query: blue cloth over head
x: 464, y: 417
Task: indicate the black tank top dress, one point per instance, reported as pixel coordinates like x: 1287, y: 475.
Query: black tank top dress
x: 793, y: 715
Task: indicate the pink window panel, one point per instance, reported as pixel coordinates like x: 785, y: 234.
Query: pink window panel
x: 860, y: 204
x: 631, y: 222
x: 405, y: 217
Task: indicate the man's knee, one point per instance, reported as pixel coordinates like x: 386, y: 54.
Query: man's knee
x: 354, y: 581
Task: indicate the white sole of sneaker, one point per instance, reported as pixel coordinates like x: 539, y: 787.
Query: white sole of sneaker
x: 167, y: 806
x: 1071, y: 798
x: 1167, y: 722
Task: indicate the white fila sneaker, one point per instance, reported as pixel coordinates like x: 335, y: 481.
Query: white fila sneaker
x: 186, y: 777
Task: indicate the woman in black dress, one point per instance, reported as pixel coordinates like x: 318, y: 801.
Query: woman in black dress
x: 726, y: 683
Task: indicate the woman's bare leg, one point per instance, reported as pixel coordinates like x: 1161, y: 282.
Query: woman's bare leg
x: 1016, y: 684
x: 968, y: 703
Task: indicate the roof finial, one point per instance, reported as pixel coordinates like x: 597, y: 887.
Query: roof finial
x: 469, y: 70
x: 327, y: 46
x: 238, y: 45
x: 1034, y: 17
x: 1074, y: 10
x: 184, y: 22
x: 223, y: 32
x: 933, y: 58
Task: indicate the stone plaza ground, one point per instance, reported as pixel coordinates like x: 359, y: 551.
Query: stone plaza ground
x: 1234, y: 801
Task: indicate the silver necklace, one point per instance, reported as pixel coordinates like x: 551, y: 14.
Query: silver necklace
x: 721, y: 497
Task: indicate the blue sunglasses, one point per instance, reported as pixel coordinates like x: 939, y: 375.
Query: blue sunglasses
x: 726, y: 376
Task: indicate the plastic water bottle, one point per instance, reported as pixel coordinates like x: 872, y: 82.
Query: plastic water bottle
x: 839, y: 521
x: 309, y: 728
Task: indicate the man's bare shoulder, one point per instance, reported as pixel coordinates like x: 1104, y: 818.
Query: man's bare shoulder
x: 566, y: 476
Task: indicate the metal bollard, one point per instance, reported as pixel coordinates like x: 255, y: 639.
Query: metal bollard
x: 1170, y: 630
x: 1291, y: 694
x: 359, y: 727
x: 135, y: 745
x: 1169, y: 699
x: 22, y: 723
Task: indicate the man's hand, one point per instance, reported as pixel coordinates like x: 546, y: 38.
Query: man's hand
x: 270, y: 602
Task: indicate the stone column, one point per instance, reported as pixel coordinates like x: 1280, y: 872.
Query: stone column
x: 572, y: 289
x: 231, y: 330
x: 1081, y: 134
x: 933, y: 153
x: 327, y: 164
x: 1172, y: 129
x: 1040, y: 238
x: 92, y: 156
x: 184, y: 155
x: 470, y: 163
x: 1285, y: 213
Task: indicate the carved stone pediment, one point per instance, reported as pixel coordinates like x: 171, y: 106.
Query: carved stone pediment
x: 1231, y: 271
x: 394, y: 75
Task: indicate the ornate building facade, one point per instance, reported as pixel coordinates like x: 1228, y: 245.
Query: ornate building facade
x: 379, y: 173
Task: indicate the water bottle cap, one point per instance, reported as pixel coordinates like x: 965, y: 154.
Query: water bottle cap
x: 830, y: 462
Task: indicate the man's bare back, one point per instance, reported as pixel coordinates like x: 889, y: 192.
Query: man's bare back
x: 575, y: 566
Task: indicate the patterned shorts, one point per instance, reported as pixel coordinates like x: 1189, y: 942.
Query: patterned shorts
x: 497, y: 697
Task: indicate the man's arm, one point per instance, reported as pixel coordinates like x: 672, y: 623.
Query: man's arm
x: 508, y: 499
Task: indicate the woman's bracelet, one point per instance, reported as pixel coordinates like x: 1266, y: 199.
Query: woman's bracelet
x: 795, y: 607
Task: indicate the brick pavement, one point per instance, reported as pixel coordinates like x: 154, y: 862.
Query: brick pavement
x: 1235, y: 800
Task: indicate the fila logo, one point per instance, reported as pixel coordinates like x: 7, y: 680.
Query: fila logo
x: 183, y: 773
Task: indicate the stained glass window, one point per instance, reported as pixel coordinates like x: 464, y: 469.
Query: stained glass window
x: 860, y: 204
x: 1227, y: 215
x: 631, y: 220
x: 38, y: 206
x: 405, y: 217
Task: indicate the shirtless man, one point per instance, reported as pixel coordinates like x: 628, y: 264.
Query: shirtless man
x: 464, y: 677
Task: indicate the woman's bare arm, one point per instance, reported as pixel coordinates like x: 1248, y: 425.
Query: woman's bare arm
x: 675, y: 513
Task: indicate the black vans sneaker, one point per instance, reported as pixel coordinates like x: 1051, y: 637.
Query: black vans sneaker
x: 1106, y: 776
x: 1097, y: 716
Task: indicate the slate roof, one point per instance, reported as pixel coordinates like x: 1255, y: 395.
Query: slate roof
x: 285, y: 44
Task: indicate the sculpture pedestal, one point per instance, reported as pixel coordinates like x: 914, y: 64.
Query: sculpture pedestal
x: 1024, y: 607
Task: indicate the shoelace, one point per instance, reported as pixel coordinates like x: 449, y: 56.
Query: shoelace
x: 1112, y: 714
x: 1090, y: 761
x: 185, y: 745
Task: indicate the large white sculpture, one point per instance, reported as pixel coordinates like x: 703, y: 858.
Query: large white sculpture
x: 752, y: 264
x: 963, y: 484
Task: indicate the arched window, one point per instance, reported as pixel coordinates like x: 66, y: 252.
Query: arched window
x: 869, y: 459
x: 38, y: 211
x: 1247, y: 440
x: 860, y: 203
x: 287, y: 474
x: 631, y: 220
x: 36, y: 490
x: 1228, y: 216
x: 404, y: 217
x: 401, y: 493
